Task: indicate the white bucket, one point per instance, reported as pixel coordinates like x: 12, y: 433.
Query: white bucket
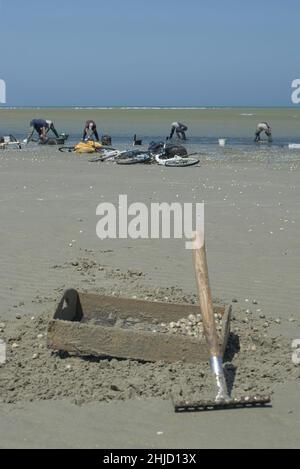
x: 222, y: 142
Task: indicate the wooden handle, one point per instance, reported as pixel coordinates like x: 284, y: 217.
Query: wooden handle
x: 206, y: 303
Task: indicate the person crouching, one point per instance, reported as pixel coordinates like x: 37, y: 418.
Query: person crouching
x: 90, y: 131
x: 263, y: 127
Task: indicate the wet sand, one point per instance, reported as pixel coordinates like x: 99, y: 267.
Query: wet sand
x: 48, y: 242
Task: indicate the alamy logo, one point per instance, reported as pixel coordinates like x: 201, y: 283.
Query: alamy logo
x: 296, y: 352
x: 296, y: 93
x: 159, y: 221
x: 2, y: 92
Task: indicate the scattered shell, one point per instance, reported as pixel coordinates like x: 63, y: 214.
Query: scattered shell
x: 40, y: 336
x: 35, y: 356
x: 14, y: 346
x: 278, y: 321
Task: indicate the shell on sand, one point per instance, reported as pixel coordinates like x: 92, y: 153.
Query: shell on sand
x: 192, y: 326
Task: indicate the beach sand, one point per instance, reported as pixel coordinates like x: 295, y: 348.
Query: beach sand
x: 48, y: 243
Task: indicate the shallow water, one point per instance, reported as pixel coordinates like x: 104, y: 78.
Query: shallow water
x: 206, y: 126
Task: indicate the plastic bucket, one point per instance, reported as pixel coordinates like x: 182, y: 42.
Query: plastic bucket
x: 222, y: 142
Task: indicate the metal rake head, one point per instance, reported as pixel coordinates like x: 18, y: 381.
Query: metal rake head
x: 236, y: 403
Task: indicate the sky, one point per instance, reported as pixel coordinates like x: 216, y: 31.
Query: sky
x: 149, y: 52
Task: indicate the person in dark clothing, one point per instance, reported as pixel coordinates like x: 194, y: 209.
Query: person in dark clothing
x: 42, y: 127
x: 90, y: 130
x: 180, y: 130
x: 263, y: 127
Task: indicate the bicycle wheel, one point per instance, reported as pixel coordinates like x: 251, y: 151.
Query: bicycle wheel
x: 105, y: 155
x: 181, y: 163
x: 52, y: 141
x: 66, y: 149
x: 135, y: 159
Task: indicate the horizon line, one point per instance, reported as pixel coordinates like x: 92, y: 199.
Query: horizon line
x: 76, y: 107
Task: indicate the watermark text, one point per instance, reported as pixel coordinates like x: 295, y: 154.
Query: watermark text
x: 2, y: 92
x: 156, y: 221
x: 296, y: 93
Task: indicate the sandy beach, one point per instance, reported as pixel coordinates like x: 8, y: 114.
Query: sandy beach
x: 48, y: 243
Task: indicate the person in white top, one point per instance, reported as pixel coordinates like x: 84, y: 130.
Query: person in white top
x: 263, y: 127
x: 180, y: 130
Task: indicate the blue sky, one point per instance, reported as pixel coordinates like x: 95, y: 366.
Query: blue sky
x: 149, y: 52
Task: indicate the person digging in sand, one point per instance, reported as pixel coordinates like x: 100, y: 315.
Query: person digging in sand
x: 263, y: 127
x: 42, y: 127
x: 180, y: 130
x: 90, y: 131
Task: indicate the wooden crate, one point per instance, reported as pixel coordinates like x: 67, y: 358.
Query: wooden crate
x: 85, y: 324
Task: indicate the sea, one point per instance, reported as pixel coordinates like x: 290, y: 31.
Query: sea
x: 206, y: 125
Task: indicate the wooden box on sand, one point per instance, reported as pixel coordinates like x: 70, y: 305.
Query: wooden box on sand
x: 88, y: 324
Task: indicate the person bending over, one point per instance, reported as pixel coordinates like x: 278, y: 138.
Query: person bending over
x: 42, y: 127
x: 263, y: 127
x: 180, y: 130
x: 90, y: 130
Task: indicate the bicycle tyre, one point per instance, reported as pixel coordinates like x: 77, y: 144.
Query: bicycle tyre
x: 134, y: 160
x: 184, y: 162
x: 66, y: 149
